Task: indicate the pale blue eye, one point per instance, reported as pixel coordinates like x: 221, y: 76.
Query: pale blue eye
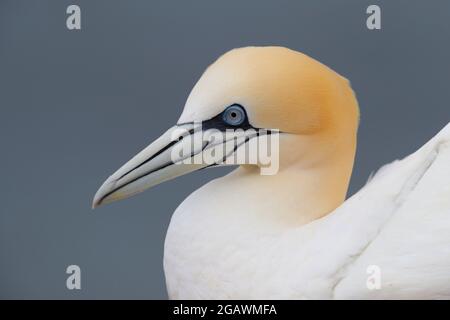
x: 234, y: 115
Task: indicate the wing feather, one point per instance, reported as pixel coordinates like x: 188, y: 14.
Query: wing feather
x: 402, y: 221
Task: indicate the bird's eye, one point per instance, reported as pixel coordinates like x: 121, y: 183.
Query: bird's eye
x: 234, y: 115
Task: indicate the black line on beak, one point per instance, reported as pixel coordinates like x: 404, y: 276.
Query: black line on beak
x: 169, y: 145
x: 167, y: 164
x: 135, y: 179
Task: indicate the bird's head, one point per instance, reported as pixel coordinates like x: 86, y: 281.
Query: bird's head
x: 248, y: 94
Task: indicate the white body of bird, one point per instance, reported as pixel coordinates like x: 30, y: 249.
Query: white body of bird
x: 250, y: 246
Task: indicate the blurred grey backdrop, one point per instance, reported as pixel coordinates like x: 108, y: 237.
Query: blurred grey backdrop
x: 75, y: 105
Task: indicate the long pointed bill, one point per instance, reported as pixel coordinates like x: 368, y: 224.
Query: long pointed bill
x: 180, y: 150
x: 151, y: 166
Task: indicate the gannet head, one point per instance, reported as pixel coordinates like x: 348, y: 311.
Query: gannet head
x: 256, y: 89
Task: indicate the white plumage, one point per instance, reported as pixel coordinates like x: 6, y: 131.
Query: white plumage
x: 400, y: 222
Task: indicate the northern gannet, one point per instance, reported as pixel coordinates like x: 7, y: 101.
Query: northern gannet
x: 291, y: 235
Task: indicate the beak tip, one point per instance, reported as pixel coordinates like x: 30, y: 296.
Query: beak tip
x: 96, y: 203
x: 101, y: 196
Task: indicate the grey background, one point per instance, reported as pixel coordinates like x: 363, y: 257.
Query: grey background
x: 75, y: 105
